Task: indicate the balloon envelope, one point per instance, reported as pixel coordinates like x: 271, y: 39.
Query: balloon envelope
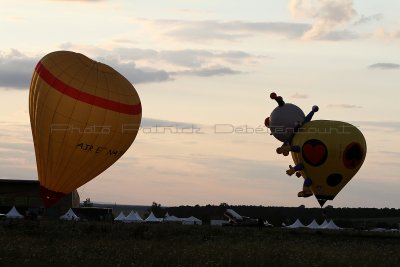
x: 332, y: 152
x: 84, y: 116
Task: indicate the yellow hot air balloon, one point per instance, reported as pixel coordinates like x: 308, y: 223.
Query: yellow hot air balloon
x: 84, y: 117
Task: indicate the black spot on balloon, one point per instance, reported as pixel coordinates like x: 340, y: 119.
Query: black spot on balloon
x: 334, y: 179
x: 353, y: 155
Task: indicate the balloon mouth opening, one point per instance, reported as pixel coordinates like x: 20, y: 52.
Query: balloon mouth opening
x: 322, y: 199
x: 322, y: 202
x: 49, y: 197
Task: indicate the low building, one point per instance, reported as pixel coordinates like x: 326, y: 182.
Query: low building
x: 25, y: 195
x: 94, y: 213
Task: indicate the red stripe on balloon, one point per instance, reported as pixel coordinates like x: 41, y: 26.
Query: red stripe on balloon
x: 85, y: 97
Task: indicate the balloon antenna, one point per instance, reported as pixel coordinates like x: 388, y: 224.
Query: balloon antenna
x: 278, y: 99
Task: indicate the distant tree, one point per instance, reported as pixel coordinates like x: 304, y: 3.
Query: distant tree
x: 87, y: 203
x: 156, y: 209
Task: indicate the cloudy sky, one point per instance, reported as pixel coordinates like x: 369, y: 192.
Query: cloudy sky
x: 204, y: 71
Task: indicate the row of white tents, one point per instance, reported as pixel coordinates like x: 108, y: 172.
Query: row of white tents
x: 314, y: 225
x: 14, y: 214
x: 135, y: 217
x: 132, y: 217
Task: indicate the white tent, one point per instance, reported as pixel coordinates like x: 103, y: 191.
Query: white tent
x: 313, y: 225
x: 192, y: 221
x: 296, y: 224
x: 120, y: 217
x: 69, y: 216
x: 267, y: 224
x: 151, y: 218
x: 378, y: 230
x: 14, y: 214
x: 234, y: 214
x: 332, y: 226
x: 166, y: 215
x: 325, y: 223
x: 138, y: 216
x: 172, y: 218
x: 133, y: 217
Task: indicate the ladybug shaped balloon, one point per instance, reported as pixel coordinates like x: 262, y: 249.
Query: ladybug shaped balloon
x: 327, y: 154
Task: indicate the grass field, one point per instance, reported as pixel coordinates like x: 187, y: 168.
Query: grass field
x: 48, y: 243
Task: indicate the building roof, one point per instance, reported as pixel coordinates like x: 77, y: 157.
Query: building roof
x: 16, y: 181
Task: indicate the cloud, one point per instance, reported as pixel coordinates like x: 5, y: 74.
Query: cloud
x: 301, y: 9
x: 327, y: 16
x: 366, y: 19
x: 137, y: 75
x: 89, y: 1
x: 199, y: 58
x: 203, y: 31
x: 384, y: 66
x: 382, y: 34
x: 16, y: 69
x: 126, y: 54
x: 181, y: 62
x: 299, y: 96
x: 199, y: 62
x: 185, y: 58
x: 188, y: 58
x: 338, y: 36
x: 207, y: 72
x: 152, y: 123
x: 390, y: 125
x: 343, y: 106
x: 137, y: 65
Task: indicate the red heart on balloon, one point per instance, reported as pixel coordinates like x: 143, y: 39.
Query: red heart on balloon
x: 315, y: 154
